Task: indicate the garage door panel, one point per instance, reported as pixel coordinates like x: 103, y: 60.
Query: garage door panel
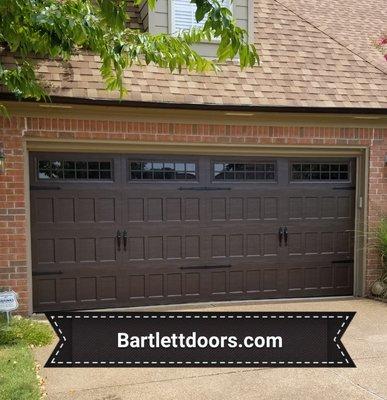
x: 162, y: 286
x: 219, y: 248
x: 253, y: 208
x: 71, y: 249
x: 218, y: 282
x: 168, y: 247
x: 270, y: 208
x: 238, y: 208
x: 67, y: 290
x: 65, y: 250
x: 320, y: 207
x: 64, y: 209
x: 192, y: 283
x: 156, y: 286
x: 87, y: 250
x: 253, y: 243
x: 244, y: 281
x: 321, y: 280
x: 320, y: 243
x: 97, y: 288
x: 174, y: 285
x: 241, y: 245
x: 74, y: 208
x: 160, y: 208
x: 43, y: 210
x: 343, y: 274
x: 107, y: 288
x: 136, y: 288
x: 74, y: 292
x: 271, y: 280
x: 191, y: 208
x: 44, y: 293
x: 253, y: 281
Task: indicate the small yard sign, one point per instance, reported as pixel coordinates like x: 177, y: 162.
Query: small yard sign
x: 8, y: 302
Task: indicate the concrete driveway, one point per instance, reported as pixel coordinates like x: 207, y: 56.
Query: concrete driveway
x: 365, y: 339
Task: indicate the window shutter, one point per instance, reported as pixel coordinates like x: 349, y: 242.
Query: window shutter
x: 183, y: 16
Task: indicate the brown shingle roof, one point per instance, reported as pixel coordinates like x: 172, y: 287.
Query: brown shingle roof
x: 314, y: 53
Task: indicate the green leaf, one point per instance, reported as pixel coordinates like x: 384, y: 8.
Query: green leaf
x: 4, y: 111
x: 57, y: 30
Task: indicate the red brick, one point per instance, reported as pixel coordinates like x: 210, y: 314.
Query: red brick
x: 13, y: 269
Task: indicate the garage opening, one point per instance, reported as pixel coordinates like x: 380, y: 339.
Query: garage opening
x: 131, y: 230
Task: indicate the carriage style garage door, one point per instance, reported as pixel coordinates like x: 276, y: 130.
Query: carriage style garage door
x: 126, y: 230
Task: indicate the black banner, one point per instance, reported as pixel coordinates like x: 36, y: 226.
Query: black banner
x: 189, y: 339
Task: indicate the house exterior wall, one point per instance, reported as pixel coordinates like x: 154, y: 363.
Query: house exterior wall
x: 15, y: 132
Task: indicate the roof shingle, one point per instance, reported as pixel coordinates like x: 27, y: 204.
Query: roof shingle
x: 314, y: 53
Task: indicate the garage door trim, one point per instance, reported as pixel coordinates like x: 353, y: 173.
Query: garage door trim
x: 223, y: 157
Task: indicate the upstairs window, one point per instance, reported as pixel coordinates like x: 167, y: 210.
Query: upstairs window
x: 183, y: 15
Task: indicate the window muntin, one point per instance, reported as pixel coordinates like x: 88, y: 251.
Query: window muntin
x: 320, y: 172
x: 183, y: 15
x: 237, y: 171
x: 162, y: 170
x: 75, y: 170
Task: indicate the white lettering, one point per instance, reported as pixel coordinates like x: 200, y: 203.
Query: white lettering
x: 123, y: 339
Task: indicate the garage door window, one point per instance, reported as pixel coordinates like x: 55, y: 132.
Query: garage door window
x: 315, y: 172
x: 234, y: 171
x: 162, y: 170
x: 74, y: 170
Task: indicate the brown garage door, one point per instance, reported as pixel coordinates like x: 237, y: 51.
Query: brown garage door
x: 125, y: 230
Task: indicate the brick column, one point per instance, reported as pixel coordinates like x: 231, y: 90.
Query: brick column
x: 13, y: 231
x: 377, y: 199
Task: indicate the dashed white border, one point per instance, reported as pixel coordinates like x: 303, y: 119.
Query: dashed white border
x: 195, y: 363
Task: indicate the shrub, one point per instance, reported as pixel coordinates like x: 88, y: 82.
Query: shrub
x: 381, y: 241
x: 379, y: 287
x: 25, y: 331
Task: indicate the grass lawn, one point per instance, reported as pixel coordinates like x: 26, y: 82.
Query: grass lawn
x: 18, y: 379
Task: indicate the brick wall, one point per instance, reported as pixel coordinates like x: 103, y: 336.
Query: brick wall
x: 377, y: 198
x: 13, y: 269
x: 13, y: 249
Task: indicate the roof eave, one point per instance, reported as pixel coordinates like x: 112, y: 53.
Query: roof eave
x: 208, y: 107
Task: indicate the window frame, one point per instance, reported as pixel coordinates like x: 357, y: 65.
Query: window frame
x: 243, y: 181
x: 171, y: 21
x: 320, y: 181
x: 164, y: 160
x: 75, y: 160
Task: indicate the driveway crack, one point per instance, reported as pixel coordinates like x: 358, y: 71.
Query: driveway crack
x: 365, y: 389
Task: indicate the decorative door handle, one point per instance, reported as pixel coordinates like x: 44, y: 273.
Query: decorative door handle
x: 286, y: 236
x: 125, y: 236
x: 119, y: 240
x: 280, y: 236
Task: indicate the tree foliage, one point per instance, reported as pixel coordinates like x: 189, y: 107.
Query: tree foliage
x: 61, y: 28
